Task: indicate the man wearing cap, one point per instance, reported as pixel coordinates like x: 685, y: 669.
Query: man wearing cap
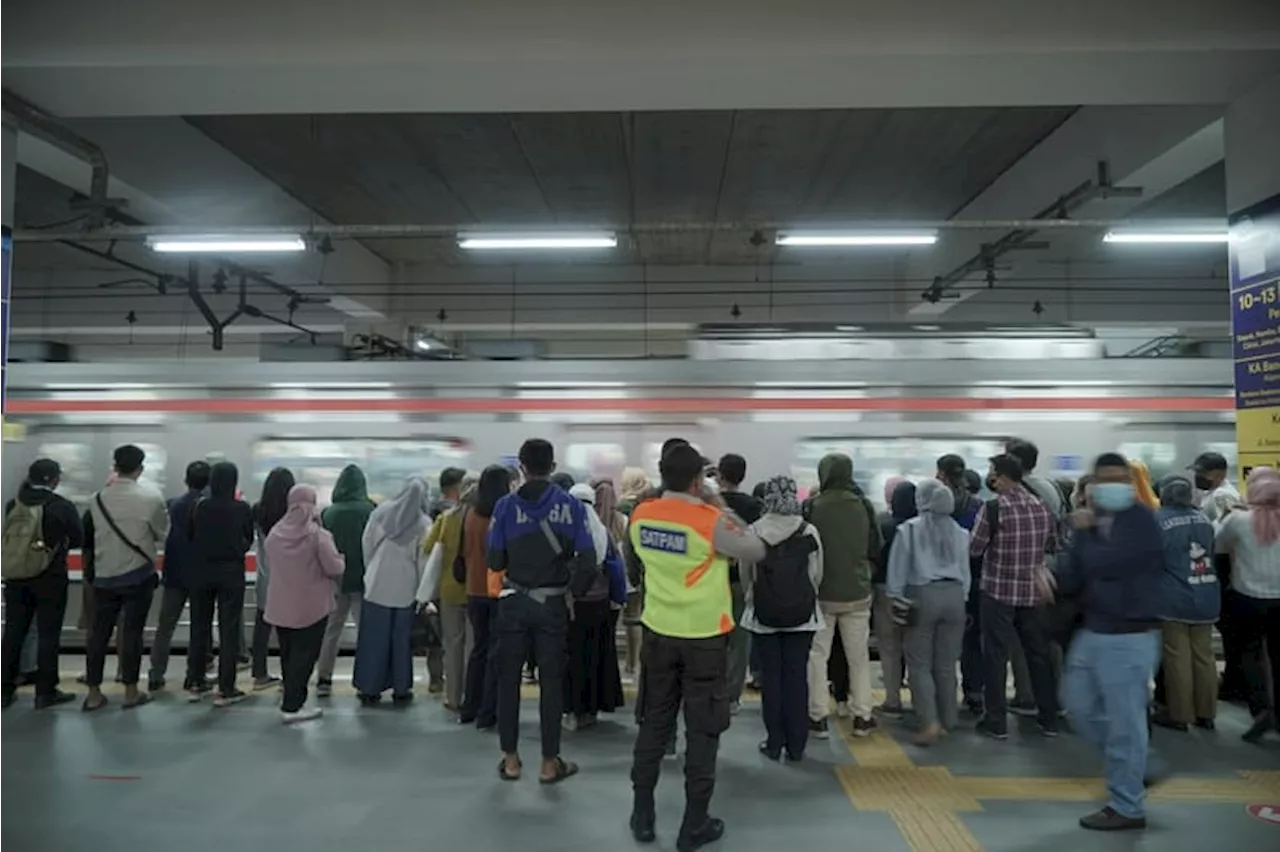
x: 44, y: 596
x: 1215, y: 496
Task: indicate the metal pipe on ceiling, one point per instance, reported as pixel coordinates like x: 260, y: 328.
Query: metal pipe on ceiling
x: 448, y: 232
x: 36, y: 122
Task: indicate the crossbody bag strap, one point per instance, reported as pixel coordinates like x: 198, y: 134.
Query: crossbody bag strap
x: 111, y: 522
x: 552, y: 538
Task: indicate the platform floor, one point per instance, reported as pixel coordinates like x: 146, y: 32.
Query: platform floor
x: 173, y: 775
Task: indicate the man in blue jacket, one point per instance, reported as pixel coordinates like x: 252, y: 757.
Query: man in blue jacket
x: 1116, y: 565
x: 540, y: 537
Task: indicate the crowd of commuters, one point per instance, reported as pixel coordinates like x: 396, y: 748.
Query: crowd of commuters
x: 1086, y: 591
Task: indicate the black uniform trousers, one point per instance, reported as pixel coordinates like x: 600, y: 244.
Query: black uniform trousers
x: 691, y: 672
x: 44, y: 598
x: 218, y: 587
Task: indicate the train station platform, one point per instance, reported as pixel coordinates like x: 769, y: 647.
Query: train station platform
x: 189, y: 776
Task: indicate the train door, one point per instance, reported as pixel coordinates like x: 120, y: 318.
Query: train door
x: 593, y: 452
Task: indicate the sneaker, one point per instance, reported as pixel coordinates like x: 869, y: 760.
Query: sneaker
x: 235, y: 696
x: 1164, y: 720
x: 928, y: 735
x: 25, y: 679
x: 1050, y: 730
x: 864, y: 727
x: 771, y: 753
x: 842, y: 710
x: 324, y: 688
x: 261, y: 683
x: 53, y: 699
x: 304, y: 714
x: 735, y: 707
x: 818, y: 729
x: 570, y: 722
x: 889, y: 711
x: 988, y: 728
x: 435, y: 687
x: 1108, y: 819
x: 1023, y: 708
x: 642, y: 825
x: 402, y: 700
x: 243, y: 664
x: 155, y: 683
x: 7, y: 699
x: 197, y: 691
x: 1262, y: 723
x: 709, y: 832
x: 1206, y: 724
x: 973, y: 706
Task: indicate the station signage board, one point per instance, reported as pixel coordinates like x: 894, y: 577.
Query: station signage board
x: 1255, y: 332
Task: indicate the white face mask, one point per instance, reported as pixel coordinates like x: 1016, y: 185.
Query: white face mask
x: 711, y: 484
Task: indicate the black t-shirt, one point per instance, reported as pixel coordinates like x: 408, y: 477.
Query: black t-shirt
x: 746, y: 507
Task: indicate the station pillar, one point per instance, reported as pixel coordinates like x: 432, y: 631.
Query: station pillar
x: 1252, y: 145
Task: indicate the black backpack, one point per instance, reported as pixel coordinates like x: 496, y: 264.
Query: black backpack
x: 783, y: 595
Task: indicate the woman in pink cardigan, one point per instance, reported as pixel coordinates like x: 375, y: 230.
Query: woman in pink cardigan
x: 305, y: 565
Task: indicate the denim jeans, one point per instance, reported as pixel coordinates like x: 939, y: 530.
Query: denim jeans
x: 1104, y: 690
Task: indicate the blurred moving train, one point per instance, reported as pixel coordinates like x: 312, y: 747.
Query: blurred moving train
x: 892, y: 415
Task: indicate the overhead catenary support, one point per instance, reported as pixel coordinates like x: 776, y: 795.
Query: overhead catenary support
x: 1055, y: 215
x: 36, y: 122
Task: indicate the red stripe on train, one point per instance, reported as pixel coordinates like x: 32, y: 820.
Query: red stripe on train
x: 708, y: 405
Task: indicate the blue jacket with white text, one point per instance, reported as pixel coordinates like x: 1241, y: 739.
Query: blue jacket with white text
x: 519, y: 545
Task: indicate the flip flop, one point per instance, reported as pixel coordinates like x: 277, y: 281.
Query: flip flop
x: 508, y: 776
x: 564, y: 769
x: 143, y: 698
x: 86, y: 707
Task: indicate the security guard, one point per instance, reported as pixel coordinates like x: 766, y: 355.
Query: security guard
x: 685, y: 545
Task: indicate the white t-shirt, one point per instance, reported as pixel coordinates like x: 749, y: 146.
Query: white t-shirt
x: 1255, y: 567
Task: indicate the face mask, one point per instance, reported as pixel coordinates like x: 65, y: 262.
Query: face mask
x: 1203, y: 482
x: 1113, y: 496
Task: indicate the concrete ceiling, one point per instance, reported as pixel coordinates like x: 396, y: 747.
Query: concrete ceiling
x: 611, y: 169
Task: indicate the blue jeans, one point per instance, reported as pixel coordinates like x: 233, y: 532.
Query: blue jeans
x: 1104, y: 689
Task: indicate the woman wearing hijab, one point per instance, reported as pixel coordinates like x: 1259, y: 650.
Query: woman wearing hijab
x: 783, y: 643
x: 1142, y: 488
x: 267, y: 512
x: 305, y: 564
x: 900, y: 496
x: 1252, y: 536
x: 929, y: 567
x: 1190, y: 601
x: 394, y: 563
x: 593, y: 684
x: 480, y: 698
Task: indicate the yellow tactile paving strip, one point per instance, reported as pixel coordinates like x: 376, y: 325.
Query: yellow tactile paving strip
x: 925, y: 802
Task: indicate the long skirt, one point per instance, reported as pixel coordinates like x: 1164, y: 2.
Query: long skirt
x: 384, y: 650
x: 592, y: 683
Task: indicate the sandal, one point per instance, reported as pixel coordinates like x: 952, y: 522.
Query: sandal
x: 143, y: 698
x: 564, y: 769
x: 86, y: 707
x: 509, y: 776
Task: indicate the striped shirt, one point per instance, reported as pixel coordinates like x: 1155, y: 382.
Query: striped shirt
x: 1025, y: 532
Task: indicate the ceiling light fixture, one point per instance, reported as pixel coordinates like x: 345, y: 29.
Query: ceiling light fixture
x: 1166, y: 237
x: 537, y: 241
x: 213, y: 243
x: 817, y: 239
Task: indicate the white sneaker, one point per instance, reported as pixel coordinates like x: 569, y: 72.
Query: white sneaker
x: 842, y: 709
x: 305, y: 714
x: 570, y: 722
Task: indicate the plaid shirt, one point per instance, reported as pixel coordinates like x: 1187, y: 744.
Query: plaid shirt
x: 1027, y: 531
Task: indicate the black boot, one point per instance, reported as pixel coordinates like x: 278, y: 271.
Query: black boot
x: 709, y: 831
x: 642, y: 824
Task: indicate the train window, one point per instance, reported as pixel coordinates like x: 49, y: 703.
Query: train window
x: 79, y: 479
x: 653, y: 455
x: 153, y: 469
x: 386, y: 463
x: 876, y: 460
x: 1160, y: 457
x: 592, y: 461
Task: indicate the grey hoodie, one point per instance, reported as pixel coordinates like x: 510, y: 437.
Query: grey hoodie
x: 773, y: 529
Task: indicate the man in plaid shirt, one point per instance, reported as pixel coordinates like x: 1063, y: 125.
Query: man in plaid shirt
x: 1013, y: 553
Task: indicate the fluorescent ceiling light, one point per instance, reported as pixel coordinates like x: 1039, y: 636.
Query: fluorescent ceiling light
x: 551, y: 240
x: 816, y: 239
x: 213, y: 243
x: 1166, y: 237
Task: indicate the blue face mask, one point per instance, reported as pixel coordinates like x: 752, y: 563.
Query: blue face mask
x: 1113, y: 496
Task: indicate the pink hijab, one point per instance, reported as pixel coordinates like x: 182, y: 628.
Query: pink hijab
x: 1262, y: 493
x: 302, y: 520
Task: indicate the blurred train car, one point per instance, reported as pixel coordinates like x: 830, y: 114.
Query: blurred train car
x: 894, y: 413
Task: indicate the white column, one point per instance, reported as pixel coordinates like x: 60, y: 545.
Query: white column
x: 1252, y: 128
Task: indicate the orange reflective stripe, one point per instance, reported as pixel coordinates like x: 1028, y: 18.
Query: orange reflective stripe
x: 698, y: 572
x: 726, y: 623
